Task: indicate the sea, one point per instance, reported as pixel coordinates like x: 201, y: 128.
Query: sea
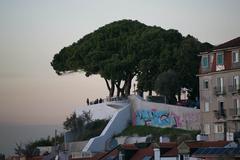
x: 10, y: 134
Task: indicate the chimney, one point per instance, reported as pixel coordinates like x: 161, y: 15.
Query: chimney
x: 121, y: 156
x: 156, y: 153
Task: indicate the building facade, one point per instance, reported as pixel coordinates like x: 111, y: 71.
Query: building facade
x: 219, y: 88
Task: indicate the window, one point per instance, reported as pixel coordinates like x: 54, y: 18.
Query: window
x: 235, y: 56
x: 237, y: 125
x: 205, y: 62
x: 221, y: 106
x: 206, y: 107
x: 220, y: 84
x: 205, y: 84
x: 236, y: 82
x: 207, y: 128
x: 236, y: 106
x: 220, y: 58
x: 219, y: 128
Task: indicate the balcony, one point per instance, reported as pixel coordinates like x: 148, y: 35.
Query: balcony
x: 220, y: 114
x: 204, y: 70
x: 234, y: 112
x: 234, y: 89
x: 219, y: 91
x: 219, y: 136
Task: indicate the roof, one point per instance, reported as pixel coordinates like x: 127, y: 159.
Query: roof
x: 201, y: 144
x: 171, y: 153
x: 229, y: 44
x: 215, y: 152
x: 129, y: 147
x: 141, y: 153
x: 167, y: 145
x: 195, y: 144
x: 169, y: 149
x: 109, y: 155
x: 148, y: 151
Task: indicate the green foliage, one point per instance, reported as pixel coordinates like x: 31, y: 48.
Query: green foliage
x: 83, y: 126
x: 147, y: 75
x: 107, y: 51
x: 93, y: 129
x: 156, y: 132
x: 167, y: 84
x: 123, y: 49
x: 74, y: 123
x: 30, y: 149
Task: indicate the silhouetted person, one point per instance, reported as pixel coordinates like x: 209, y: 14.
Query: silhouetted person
x: 87, y: 101
x: 100, y: 100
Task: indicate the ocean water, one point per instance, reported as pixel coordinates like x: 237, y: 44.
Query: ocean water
x: 12, y: 134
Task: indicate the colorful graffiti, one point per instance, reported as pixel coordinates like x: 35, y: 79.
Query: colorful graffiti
x: 157, y: 118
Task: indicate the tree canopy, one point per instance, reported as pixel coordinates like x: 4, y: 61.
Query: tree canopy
x: 167, y: 83
x: 123, y: 49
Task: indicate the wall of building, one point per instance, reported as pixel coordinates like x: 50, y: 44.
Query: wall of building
x: 209, y: 95
x: 163, y: 115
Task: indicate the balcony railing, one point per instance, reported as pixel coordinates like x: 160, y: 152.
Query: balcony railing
x: 234, y: 89
x: 234, y: 112
x: 219, y: 90
x: 220, y: 114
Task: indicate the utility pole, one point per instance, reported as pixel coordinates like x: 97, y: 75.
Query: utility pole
x: 55, y: 140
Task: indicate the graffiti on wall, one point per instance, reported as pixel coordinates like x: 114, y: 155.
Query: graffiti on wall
x: 157, y: 118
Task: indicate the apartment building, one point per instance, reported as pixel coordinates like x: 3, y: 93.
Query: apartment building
x: 220, y: 90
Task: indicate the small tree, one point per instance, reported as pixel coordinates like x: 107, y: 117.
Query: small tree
x: 73, y: 123
x: 76, y: 124
x: 19, y: 149
x: 30, y: 149
x: 87, y: 116
x: 167, y: 84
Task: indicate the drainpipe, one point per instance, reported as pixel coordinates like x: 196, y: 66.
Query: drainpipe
x: 156, y: 153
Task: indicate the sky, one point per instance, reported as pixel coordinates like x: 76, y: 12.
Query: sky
x: 32, y: 31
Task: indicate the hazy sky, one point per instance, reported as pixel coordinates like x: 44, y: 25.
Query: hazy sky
x: 32, y: 31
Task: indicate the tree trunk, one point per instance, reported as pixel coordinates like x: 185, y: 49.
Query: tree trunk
x: 111, y: 92
x: 128, y: 83
x: 122, y: 92
x: 110, y: 88
x: 150, y: 93
x: 179, y: 95
x: 118, y: 92
x: 118, y: 85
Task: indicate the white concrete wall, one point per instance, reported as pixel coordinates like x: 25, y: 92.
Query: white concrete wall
x: 116, y: 125
x: 163, y: 115
x: 98, y: 111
